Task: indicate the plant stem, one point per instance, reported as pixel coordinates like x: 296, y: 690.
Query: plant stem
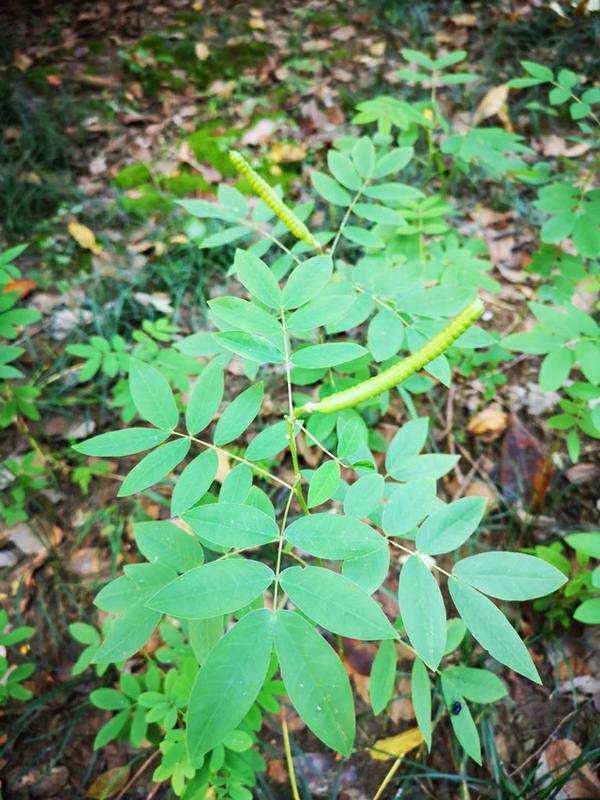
x: 290, y: 419
x: 349, y: 210
x: 241, y: 460
x: 288, y: 756
x: 280, y: 549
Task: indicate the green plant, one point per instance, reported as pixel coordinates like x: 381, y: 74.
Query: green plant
x: 150, y: 343
x: 23, y: 478
x: 567, y: 337
x: 12, y: 675
x: 152, y: 705
x: 579, y: 598
x: 15, y: 398
x: 327, y: 566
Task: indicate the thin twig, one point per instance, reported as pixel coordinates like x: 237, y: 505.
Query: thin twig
x: 544, y: 744
x: 152, y: 757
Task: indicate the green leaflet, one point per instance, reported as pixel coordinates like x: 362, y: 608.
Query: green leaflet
x: 364, y: 496
x: 383, y: 676
x: 408, y: 442
x: 152, y: 395
x: 205, y: 398
x: 128, y: 594
x: 228, y: 682
x: 306, y: 281
x: 407, y: 506
x: 167, y: 544
x: 333, y: 537
x: 449, y: 527
x: 422, y: 610
x: 194, y: 482
x: 478, y: 685
x: 315, y: 680
x: 461, y: 719
x: 331, y: 354
x: 509, y: 576
x: 237, y: 485
x: 232, y: 525
x: 239, y: 414
x: 492, y: 630
x: 257, y: 278
x: 343, y: 170
x: 323, y: 483
x: 154, y: 467
x: 420, y: 688
x: 199, y: 593
x: 125, y: 442
x: 336, y: 603
x: 369, y: 571
x: 268, y: 442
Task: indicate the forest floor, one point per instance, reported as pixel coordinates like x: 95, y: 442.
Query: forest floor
x: 110, y: 111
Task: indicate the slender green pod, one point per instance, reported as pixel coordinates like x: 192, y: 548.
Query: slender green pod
x: 264, y: 191
x: 399, y: 372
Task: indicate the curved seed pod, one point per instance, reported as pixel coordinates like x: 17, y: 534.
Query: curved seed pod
x: 264, y: 191
x: 401, y: 371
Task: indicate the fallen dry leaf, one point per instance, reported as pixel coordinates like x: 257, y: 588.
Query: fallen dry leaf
x: 201, y: 51
x: 261, y: 133
x: 21, y: 60
x: 23, y: 287
x: 287, y: 153
x: 557, y: 759
x: 396, y: 746
x: 108, y: 783
x: 464, y: 20
x: 377, y: 49
x: 491, y: 103
x: 479, y: 488
x: 525, y: 470
x: 84, y: 237
x: 489, y: 423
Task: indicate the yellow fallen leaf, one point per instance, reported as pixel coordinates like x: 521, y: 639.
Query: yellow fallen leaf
x: 396, y: 746
x: 489, y: 421
x: 491, y: 103
x: 108, y: 783
x: 84, y: 237
x: 201, y: 51
x: 287, y: 153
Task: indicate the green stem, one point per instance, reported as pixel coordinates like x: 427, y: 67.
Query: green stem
x: 295, y: 464
x: 236, y: 458
x: 349, y: 210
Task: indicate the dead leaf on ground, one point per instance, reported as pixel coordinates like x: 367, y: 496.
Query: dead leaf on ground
x: 344, y: 33
x: 557, y: 759
x: 84, y: 237
x: 261, y: 133
x: 479, y: 488
x: 491, y: 104
x: 287, y: 153
x: 108, y: 783
x: 23, y: 287
x: 489, y: 423
x: 201, y: 51
x: 464, y: 20
x: 557, y: 146
x: 582, y: 473
x: 396, y: 746
x: 525, y: 470
x: 21, y: 60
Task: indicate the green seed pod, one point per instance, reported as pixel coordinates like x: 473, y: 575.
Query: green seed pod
x: 404, y: 369
x: 264, y: 191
